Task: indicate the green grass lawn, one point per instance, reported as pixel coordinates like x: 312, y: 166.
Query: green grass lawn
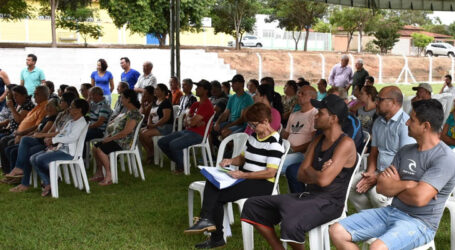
x: 133, y: 214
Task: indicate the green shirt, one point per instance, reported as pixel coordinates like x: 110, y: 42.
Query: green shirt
x: 238, y: 103
x: 359, y: 77
x: 32, y: 79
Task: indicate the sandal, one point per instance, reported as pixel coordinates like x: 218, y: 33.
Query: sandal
x: 46, y: 191
x: 19, y: 189
x: 96, y: 178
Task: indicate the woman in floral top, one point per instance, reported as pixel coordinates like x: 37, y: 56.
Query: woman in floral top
x: 120, y: 133
x: 289, y: 99
x: 20, y: 107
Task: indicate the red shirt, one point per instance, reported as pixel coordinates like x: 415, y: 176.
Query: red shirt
x: 204, y: 109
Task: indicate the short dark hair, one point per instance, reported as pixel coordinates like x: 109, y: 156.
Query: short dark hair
x: 371, y: 91
x: 63, y: 87
x: 370, y: 78
x: 132, y: 96
x: 226, y: 85
x: 34, y: 58
x: 448, y: 76
x: 68, y: 97
x: 127, y: 60
x: 215, y: 84
x: 50, y: 85
x: 429, y: 111
x: 258, y: 112
x: 292, y: 84
x: 103, y: 64
x: 82, y: 104
x: 267, y: 91
x: 324, y: 81
x: 188, y: 80
x: 302, y: 82
x: 87, y: 85
x: 124, y: 85
x: 150, y: 89
x: 72, y: 89
x: 20, y: 90
x: 268, y: 80
x: 254, y: 82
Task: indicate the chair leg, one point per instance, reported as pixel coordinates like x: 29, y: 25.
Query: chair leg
x: 209, y: 154
x: 35, y: 178
x: 230, y: 213
x: 66, y: 174
x: 315, y: 236
x: 137, y: 157
x: 194, y: 156
x: 73, y: 174
x: 53, y: 179
x: 132, y: 158
x: 113, y: 163
x: 79, y: 175
x: 204, y: 156
x: 190, y: 206
x: 247, y: 236
x: 186, y: 161
x: 122, y: 163
x: 226, y: 222
x: 83, y: 175
x: 156, y: 150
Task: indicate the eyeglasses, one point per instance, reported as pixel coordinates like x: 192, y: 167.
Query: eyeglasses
x: 253, y: 126
x: 380, y: 99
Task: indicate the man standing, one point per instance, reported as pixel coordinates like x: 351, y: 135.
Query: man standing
x: 423, y: 92
x: 32, y: 76
x: 360, y: 75
x: 128, y: 75
x: 448, y: 87
x: 195, y: 122
x: 188, y: 99
x: 420, y: 179
x: 327, y: 169
x: 146, y: 79
x: 341, y: 74
x: 388, y: 136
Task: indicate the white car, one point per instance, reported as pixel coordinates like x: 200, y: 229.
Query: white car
x: 443, y: 49
x: 248, y: 41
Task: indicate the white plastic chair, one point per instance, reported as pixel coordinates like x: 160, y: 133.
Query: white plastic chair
x: 77, y: 163
x: 247, y: 229
x: 423, y: 247
x: 319, y: 236
x: 446, y: 99
x: 204, y: 146
x: 132, y: 155
x: 364, y: 155
x: 157, y: 153
x: 239, y: 141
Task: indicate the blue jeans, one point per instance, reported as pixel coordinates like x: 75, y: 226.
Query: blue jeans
x: 11, y: 154
x: 295, y: 186
x: 40, y: 161
x: 291, y: 159
x: 27, y: 147
x: 172, y: 145
x: 395, y: 228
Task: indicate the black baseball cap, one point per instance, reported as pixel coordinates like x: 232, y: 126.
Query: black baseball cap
x: 334, y: 104
x: 204, y: 83
x: 238, y: 78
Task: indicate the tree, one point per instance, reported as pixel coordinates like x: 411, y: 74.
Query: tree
x: 352, y: 20
x: 386, y: 34
x: 14, y: 9
x: 322, y: 27
x: 51, y: 7
x: 421, y: 41
x: 234, y: 17
x: 77, y: 20
x: 152, y: 16
x: 296, y: 15
x: 451, y: 29
x: 410, y: 17
x: 437, y: 28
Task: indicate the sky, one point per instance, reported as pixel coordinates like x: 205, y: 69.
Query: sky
x: 447, y: 17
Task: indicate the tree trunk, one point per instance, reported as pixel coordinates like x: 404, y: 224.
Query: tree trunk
x: 53, y: 10
x: 360, y: 38
x: 161, y: 39
x: 349, y: 40
x: 307, y: 34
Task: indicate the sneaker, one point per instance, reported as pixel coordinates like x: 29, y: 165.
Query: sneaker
x: 201, y: 226
x: 210, y: 244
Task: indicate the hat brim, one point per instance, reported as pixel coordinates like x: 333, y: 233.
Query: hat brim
x: 415, y: 88
x: 315, y: 103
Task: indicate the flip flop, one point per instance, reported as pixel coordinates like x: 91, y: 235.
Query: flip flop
x: 18, y: 176
x: 97, y: 179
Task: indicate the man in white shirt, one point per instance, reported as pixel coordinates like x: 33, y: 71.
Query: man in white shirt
x: 448, y: 87
x: 146, y: 79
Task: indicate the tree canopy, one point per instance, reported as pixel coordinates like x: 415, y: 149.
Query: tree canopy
x: 14, y: 9
x: 421, y: 41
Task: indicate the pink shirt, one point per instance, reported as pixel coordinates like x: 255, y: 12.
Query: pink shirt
x: 301, y: 127
x: 276, y: 122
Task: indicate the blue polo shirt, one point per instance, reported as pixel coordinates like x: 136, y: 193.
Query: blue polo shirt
x: 389, y: 137
x: 32, y: 79
x: 130, y: 77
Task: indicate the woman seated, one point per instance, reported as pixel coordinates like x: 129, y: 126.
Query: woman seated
x: 160, y: 120
x: 264, y: 94
x: 289, y: 99
x: 30, y: 145
x: 448, y: 131
x: 367, y: 113
x: 5, y: 114
x: 147, y: 102
x: 258, y: 166
x: 355, y: 102
x: 63, y: 145
x: 120, y: 135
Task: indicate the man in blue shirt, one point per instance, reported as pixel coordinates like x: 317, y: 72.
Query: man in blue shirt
x: 32, y: 76
x: 129, y: 75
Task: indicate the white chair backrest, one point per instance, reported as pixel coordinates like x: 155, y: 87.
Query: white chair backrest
x: 175, y: 110
x: 366, y: 140
x: 207, y: 129
x: 80, y: 143
x: 286, y: 145
x: 238, y: 141
x: 356, y: 167
x: 407, y: 107
x: 446, y: 99
x: 136, y: 132
x: 280, y: 129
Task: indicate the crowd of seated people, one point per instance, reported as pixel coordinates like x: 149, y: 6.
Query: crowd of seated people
x: 405, y: 167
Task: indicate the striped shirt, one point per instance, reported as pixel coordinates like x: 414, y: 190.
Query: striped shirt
x: 262, y: 153
x: 98, y: 110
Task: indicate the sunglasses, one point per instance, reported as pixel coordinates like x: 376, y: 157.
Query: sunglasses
x: 380, y: 99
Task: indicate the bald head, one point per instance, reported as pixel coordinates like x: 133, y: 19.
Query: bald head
x: 311, y: 91
x: 393, y: 92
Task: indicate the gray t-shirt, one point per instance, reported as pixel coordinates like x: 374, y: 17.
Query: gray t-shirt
x: 366, y: 118
x: 435, y: 167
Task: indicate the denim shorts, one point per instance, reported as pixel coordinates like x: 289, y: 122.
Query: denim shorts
x: 395, y: 228
x: 165, y: 129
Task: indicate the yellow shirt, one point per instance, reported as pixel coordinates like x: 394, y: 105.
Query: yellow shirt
x: 33, y: 117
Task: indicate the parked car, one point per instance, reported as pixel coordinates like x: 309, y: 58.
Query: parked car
x: 436, y: 49
x: 248, y: 41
